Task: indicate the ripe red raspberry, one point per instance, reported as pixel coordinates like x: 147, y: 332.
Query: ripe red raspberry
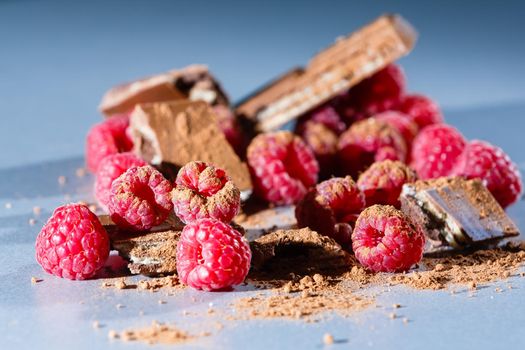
x: 325, y: 115
x: 383, y: 181
x: 330, y: 208
x: 435, y: 151
x: 72, y: 244
x: 323, y: 143
x: 385, y: 240
x: 203, y: 191
x: 140, y: 199
x: 108, y: 137
x: 211, y: 255
x: 494, y: 167
x: 421, y: 109
x: 369, y: 141
x: 231, y: 129
x: 282, y: 167
x: 402, y: 123
x: 109, y: 169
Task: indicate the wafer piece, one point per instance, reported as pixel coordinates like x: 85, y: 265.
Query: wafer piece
x: 193, y: 82
x: 329, y: 73
x: 456, y: 211
x: 171, y: 134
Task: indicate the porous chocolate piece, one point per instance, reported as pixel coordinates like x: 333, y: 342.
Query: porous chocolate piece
x: 193, y: 82
x: 171, y: 134
x: 329, y: 73
x: 456, y: 212
x: 149, y: 253
x: 298, y: 251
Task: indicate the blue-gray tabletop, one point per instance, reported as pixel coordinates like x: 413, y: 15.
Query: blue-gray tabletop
x: 57, y: 59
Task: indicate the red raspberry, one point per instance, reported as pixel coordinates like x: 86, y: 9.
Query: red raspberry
x: 140, y: 199
x: 402, y: 123
x: 72, y: 244
x: 421, y: 109
x: 385, y: 240
x: 211, y: 255
x: 330, y: 207
x: 231, y: 129
x: 325, y: 115
x: 203, y: 191
x: 494, y: 167
x: 369, y: 141
x: 108, y: 137
x: 109, y: 169
x: 282, y: 167
x: 435, y: 151
x: 383, y: 181
x: 323, y: 143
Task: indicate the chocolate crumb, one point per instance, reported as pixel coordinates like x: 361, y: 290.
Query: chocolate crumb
x: 35, y: 280
x: 157, y: 333
x: 121, y: 284
x: 328, y: 339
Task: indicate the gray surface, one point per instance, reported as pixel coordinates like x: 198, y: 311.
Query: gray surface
x: 58, y: 313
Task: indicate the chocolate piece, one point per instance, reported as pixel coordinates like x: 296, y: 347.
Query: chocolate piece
x: 331, y: 72
x: 193, y: 82
x: 171, y: 134
x: 456, y: 212
x: 298, y: 251
x: 151, y: 253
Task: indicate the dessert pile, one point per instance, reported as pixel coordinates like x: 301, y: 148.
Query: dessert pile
x: 375, y: 175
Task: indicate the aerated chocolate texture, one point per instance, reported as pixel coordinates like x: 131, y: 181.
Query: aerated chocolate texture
x: 172, y: 134
x: 193, y: 82
x: 457, y: 211
x: 330, y: 72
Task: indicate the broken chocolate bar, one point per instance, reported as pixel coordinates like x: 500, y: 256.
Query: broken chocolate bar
x: 193, y: 82
x: 299, y: 250
x: 151, y: 253
x: 171, y: 134
x: 329, y: 73
x: 456, y: 212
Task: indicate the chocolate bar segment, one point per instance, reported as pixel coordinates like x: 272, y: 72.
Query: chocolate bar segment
x: 193, y: 82
x: 171, y: 134
x: 331, y: 72
x: 456, y: 211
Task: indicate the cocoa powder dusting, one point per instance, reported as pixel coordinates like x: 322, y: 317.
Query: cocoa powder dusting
x: 157, y: 333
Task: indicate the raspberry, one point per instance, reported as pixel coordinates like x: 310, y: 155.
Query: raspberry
x: 330, y: 207
x: 140, y: 199
x: 494, y: 167
x: 109, y: 169
x: 72, y: 244
x: 369, y: 141
x: 421, y: 109
x: 435, y: 151
x: 402, y: 123
x: 385, y: 240
x: 323, y: 143
x: 203, y: 191
x: 325, y: 115
x: 231, y: 129
x: 108, y: 137
x: 383, y: 181
x: 282, y: 167
x: 211, y: 255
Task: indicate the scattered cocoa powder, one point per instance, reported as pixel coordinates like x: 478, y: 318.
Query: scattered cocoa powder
x: 157, y: 333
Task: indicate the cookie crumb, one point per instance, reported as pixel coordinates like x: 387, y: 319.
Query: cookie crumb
x: 396, y: 306
x: 121, y: 284
x: 35, y: 280
x: 328, y: 339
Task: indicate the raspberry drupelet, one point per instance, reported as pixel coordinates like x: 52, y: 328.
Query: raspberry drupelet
x: 383, y: 181
x: 140, y: 199
x: 421, y: 109
x: 494, y: 167
x: 109, y: 169
x: 435, y: 151
x: 211, y: 255
x: 72, y: 244
x: 283, y: 167
x: 204, y: 191
x: 366, y: 142
x: 385, y: 240
x: 330, y: 208
x: 106, y: 138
